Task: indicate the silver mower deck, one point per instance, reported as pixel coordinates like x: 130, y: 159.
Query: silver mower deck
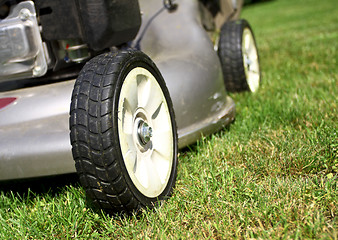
x: 34, y: 130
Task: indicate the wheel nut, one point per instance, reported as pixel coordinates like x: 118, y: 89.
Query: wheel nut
x: 24, y: 14
x: 145, y: 133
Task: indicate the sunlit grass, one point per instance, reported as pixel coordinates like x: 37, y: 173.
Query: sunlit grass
x: 271, y: 174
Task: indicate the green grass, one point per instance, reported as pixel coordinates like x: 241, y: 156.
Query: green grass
x: 271, y: 174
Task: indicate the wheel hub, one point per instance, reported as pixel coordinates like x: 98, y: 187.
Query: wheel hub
x: 144, y: 132
x: 248, y: 61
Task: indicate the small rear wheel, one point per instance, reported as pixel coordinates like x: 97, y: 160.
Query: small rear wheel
x: 238, y: 54
x: 123, y: 132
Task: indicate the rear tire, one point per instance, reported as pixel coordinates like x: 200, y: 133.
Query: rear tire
x: 123, y: 132
x: 238, y: 54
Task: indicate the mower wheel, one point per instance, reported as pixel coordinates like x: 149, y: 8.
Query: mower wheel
x: 238, y: 54
x: 123, y: 132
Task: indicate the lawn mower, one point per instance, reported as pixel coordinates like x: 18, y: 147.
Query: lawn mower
x: 119, y: 87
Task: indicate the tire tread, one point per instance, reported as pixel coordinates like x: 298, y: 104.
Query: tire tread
x: 230, y: 54
x: 91, y: 133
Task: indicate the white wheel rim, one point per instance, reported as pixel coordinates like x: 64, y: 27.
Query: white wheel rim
x: 145, y: 132
x: 250, y: 60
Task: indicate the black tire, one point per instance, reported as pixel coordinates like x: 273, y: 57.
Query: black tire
x: 95, y: 138
x: 237, y: 74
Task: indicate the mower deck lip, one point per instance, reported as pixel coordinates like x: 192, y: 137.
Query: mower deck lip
x: 208, y: 126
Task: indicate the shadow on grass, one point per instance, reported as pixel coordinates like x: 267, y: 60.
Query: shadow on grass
x: 249, y: 2
x: 194, y: 147
x: 42, y: 185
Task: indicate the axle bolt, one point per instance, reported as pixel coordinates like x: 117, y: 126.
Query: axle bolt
x: 24, y: 14
x: 145, y: 132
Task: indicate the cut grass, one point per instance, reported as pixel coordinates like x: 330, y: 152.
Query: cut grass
x: 271, y: 174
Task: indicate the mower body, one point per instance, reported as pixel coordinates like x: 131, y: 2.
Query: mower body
x: 37, y: 78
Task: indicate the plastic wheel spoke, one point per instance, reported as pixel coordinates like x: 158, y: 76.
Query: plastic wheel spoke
x: 160, y: 120
x: 141, y: 171
x: 127, y: 117
x: 154, y: 105
x: 253, y: 71
x: 252, y: 54
x: 250, y: 49
x: 162, y: 141
x: 254, y: 67
x: 143, y: 90
x: 130, y: 159
x: 254, y: 83
x: 154, y: 180
x: 130, y: 92
x: 246, y: 42
x: 162, y: 164
x: 253, y: 76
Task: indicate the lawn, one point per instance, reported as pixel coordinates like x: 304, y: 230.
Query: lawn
x: 271, y: 174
